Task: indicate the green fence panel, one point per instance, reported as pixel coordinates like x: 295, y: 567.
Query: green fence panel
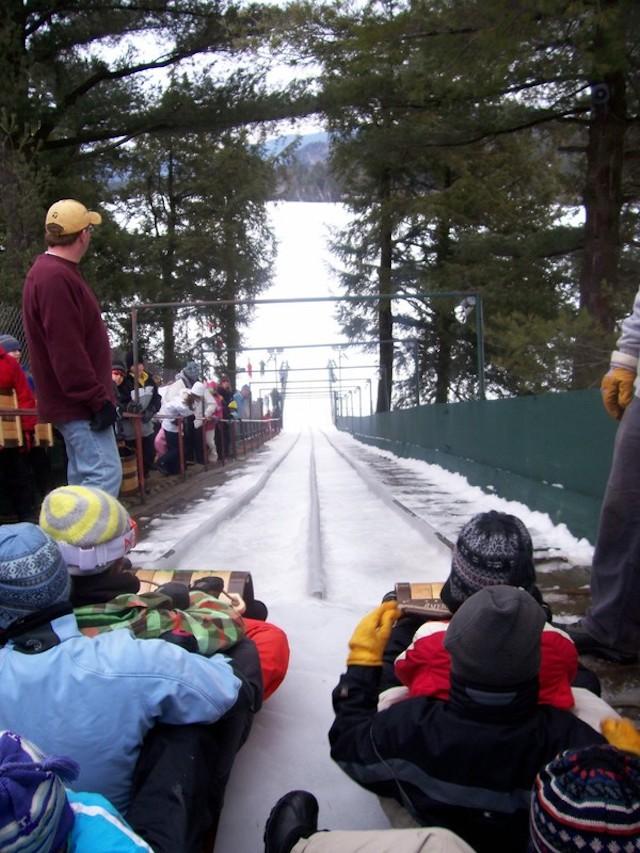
x: 549, y: 451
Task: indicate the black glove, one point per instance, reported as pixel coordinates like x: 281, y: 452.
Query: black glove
x: 177, y: 592
x: 147, y: 415
x: 212, y: 585
x: 134, y: 408
x: 104, y: 418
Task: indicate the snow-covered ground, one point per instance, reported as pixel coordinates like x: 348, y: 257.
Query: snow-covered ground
x: 310, y: 516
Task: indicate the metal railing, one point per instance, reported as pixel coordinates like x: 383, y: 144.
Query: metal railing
x: 244, y: 436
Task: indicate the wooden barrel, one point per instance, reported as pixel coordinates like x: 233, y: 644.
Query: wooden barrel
x: 129, y: 471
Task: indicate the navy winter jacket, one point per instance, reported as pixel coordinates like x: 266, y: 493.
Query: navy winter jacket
x: 467, y: 764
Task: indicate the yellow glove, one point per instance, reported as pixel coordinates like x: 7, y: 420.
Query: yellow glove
x: 370, y: 637
x: 617, y: 390
x: 622, y: 733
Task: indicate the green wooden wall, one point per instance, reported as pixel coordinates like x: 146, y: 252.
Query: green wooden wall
x: 550, y: 451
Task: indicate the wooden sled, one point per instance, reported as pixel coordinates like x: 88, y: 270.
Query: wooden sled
x: 233, y: 583
x: 422, y: 599
x: 10, y: 425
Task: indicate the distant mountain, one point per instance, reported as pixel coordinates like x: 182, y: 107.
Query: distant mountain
x: 303, y: 172
x: 276, y: 146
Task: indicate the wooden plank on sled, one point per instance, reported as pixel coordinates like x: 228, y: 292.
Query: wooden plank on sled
x: 240, y: 583
x: 10, y: 425
x: 422, y: 599
x: 43, y: 435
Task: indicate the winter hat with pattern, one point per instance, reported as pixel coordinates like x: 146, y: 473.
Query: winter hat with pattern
x: 9, y: 343
x: 494, y: 637
x: 91, y: 527
x: 492, y: 548
x: 33, y: 573
x: 35, y: 814
x: 585, y: 801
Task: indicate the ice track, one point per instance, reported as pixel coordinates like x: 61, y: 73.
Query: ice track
x: 324, y: 540
x: 304, y: 533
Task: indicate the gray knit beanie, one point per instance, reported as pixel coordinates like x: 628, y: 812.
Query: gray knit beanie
x: 494, y: 637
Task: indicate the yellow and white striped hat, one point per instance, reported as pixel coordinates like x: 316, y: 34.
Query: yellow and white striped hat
x: 90, y: 526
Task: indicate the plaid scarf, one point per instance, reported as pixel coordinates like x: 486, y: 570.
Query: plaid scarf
x: 214, y: 625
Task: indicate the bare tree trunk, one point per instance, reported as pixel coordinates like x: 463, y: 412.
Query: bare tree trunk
x: 443, y: 321
x: 385, y: 316
x: 168, y: 339
x: 602, y: 199
x: 168, y: 268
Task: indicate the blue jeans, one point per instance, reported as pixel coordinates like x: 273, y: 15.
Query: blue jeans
x: 93, y: 456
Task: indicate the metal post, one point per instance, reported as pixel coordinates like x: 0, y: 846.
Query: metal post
x: 480, y: 345
x: 416, y: 357
x: 359, y: 390
x: 134, y: 351
x: 183, y: 467
x: 137, y: 427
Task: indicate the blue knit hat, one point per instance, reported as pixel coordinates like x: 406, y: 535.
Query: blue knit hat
x: 10, y: 344
x: 587, y: 800
x: 35, y: 814
x: 33, y: 574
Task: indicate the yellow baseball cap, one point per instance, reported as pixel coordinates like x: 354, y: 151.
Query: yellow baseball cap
x: 68, y: 216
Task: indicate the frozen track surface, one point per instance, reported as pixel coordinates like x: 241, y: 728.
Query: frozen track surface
x: 320, y: 527
x: 323, y: 542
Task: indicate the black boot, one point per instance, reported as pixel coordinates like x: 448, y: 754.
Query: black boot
x: 293, y: 817
x: 588, y: 645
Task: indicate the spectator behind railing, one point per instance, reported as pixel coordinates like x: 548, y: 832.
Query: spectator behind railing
x: 169, y: 463
x: 184, y: 380
x: 147, y: 405
x: 15, y: 476
x: 205, y: 407
x: 213, y: 425
x: 38, y: 458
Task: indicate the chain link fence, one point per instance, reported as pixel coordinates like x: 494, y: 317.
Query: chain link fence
x: 11, y: 324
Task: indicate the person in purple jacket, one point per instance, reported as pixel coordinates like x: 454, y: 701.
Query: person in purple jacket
x: 69, y: 349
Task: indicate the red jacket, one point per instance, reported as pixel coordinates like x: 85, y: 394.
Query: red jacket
x: 273, y: 651
x: 12, y: 377
x: 69, y: 350
x: 425, y: 666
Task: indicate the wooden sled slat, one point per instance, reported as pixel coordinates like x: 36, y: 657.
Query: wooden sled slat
x: 422, y: 599
x: 240, y: 583
x: 10, y: 425
x: 43, y: 435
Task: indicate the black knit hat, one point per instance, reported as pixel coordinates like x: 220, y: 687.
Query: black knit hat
x: 587, y: 799
x: 494, y: 637
x: 492, y: 548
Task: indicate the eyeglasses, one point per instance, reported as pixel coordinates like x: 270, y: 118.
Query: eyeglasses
x: 89, y: 228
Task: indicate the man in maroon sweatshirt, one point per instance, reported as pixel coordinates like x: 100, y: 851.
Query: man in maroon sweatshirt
x: 69, y: 349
